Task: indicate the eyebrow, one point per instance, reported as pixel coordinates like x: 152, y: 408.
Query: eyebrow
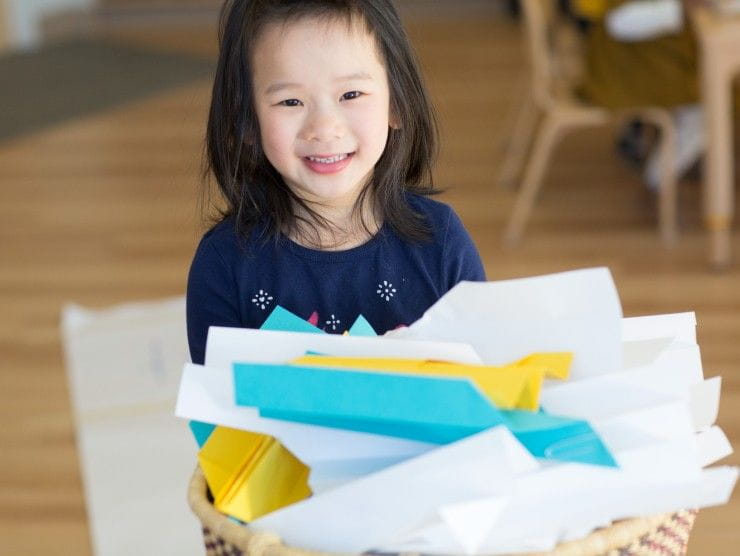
x: 359, y: 76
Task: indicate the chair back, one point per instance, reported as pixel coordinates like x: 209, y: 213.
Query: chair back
x: 552, y: 50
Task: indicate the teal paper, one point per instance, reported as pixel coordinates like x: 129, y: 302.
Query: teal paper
x: 362, y: 328
x: 201, y: 431
x: 435, y: 433
x: 283, y: 320
x: 430, y: 409
x: 559, y: 438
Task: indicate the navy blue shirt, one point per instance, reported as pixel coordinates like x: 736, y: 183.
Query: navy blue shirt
x: 390, y: 281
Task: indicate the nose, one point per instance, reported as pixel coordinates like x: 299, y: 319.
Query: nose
x: 322, y: 125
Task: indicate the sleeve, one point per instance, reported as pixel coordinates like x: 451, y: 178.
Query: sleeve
x: 461, y: 260
x: 212, y: 297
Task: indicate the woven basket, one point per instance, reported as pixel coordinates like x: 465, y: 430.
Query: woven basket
x: 663, y: 535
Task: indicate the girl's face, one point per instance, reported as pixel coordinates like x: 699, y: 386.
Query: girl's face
x: 322, y: 100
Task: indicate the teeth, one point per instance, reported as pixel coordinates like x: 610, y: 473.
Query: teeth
x: 329, y: 160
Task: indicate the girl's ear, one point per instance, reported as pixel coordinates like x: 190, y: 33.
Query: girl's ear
x: 394, y: 122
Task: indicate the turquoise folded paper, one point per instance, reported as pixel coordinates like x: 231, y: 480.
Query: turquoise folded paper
x: 549, y: 436
x: 362, y: 328
x: 282, y: 320
x: 201, y: 431
x: 437, y: 409
x: 429, y: 409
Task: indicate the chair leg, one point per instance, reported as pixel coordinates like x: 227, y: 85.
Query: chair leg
x: 519, y: 142
x: 547, y: 135
x: 668, y: 193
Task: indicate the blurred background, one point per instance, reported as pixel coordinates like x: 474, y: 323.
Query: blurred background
x: 552, y: 121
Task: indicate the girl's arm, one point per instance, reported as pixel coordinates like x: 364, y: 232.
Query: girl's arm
x: 461, y: 258
x: 212, y: 297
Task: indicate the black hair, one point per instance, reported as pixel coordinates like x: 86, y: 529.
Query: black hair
x: 251, y: 187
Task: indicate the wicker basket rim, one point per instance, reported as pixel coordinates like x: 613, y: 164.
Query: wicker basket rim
x: 268, y: 544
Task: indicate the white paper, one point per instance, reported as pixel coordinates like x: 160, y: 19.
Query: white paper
x: 228, y: 345
x: 704, y: 402
x: 471, y: 522
x: 542, y: 527
x: 359, y: 515
x: 674, y: 371
x: 207, y: 394
x: 638, y: 381
x: 712, y: 446
x: 679, y: 326
x: 661, y: 473
x: 655, y: 377
x: 644, y: 427
x: 136, y: 458
x: 576, y: 311
x: 573, y: 496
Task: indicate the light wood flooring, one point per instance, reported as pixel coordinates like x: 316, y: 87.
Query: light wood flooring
x: 102, y: 210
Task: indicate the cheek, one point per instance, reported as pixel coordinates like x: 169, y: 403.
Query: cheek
x: 276, y: 136
x: 375, y: 129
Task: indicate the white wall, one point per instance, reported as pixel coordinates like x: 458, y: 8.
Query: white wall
x: 24, y: 18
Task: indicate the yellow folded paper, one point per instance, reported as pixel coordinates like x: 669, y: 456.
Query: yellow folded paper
x: 251, y: 474
x: 514, y: 386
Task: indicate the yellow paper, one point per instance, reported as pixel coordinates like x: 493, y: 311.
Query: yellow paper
x: 251, y: 474
x: 555, y: 364
x: 590, y: 9
x: 514, y: 386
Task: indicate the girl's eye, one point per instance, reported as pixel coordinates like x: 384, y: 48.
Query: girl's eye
x: 290, y: 102
x: 351, y: 95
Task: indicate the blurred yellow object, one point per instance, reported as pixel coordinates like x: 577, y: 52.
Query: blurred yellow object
x: 251, y: 474
x: 590, y: 9
x: 514, y: 386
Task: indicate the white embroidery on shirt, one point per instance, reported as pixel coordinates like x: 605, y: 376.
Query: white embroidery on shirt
x: 386, y: 290
x: 262, y: 299
x: 333, y: 322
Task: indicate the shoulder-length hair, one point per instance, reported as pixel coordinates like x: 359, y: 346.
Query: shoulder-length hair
x: 251, y: 187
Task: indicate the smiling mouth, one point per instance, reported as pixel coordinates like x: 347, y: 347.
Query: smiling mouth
x: 333, y: 159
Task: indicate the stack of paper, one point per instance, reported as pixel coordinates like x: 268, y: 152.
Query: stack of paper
x: 403, y: 474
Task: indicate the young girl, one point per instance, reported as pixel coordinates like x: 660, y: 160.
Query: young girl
x: 320, y: 137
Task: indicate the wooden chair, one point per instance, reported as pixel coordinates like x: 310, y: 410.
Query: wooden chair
x: 549, y: 109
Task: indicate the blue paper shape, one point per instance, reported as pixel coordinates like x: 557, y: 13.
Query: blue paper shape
x: 283, y: 320
x: 362, y: 327
x: 430, y: 409
x: 201, y: 431
x: 558, y: 438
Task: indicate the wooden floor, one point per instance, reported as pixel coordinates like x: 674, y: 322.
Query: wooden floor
x: 101, y: 211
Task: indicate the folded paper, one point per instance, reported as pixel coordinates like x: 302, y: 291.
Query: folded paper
x: 362, y: 328
x: 429, y: 409
x: 576, y: 311
x: 226, y: 346
x: 636, y: 404
x: 514, y: 386
x: 251, y: 474
x: 207, y: 394
x: 281, y: 319
x: 423, y: 408
x: 353, y: 518
x: 201, y: 431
